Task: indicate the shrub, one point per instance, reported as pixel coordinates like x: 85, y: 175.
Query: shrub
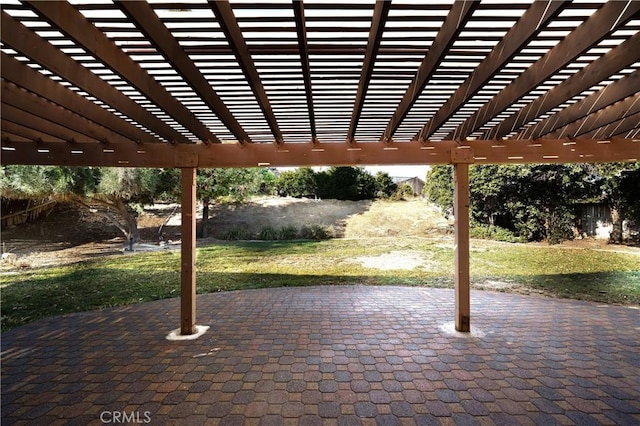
x: 403, y: 192
x: 287, y: 233
x: 268, y: 233
x: 316, y: 232
x: 297, y: 183
x: 494, y: 233
x: 385, y: 187
x: 237, y: 233
x: 346, y: 183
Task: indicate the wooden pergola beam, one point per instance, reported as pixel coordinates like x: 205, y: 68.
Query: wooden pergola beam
x: 40, y: 107
x: 455, y: 21
x: 603, y: 22
x: 307, y: 154
x: 42, y: 125
x: 608, y: 95
x: 29, y: 79
x: 537, y: 16
x: 70, y: 21
x: 28, y: 43
x: 618, y: 111
x: 303, y: 47
x: 229, y: 25
x: 26, y: 133
x: 380, y: 13
x: 142, y: 14
x: 6, y: 135
x: 608, y: 64
x: 620, y: 128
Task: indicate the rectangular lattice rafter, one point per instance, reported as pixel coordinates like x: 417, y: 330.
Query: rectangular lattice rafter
x: 315, y: 74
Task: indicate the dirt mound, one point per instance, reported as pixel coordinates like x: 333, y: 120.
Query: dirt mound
x: 277, y: 212
x: 70, y: 234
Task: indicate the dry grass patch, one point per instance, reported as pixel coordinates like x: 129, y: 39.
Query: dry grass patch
x: 398, y: 218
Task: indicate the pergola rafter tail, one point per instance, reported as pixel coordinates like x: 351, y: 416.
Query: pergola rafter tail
x: 380, y: 13
x: 303, y: 47
x: 613, y: 61
x: 229, y: 25
x: 623, y: 109
x: 629, y: 125
x: 460, y: 12
x: 42, y: 125
x: 40, y: 107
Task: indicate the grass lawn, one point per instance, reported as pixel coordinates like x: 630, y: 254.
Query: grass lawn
x: 602, y: 276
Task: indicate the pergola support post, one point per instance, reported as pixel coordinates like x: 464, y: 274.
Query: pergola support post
x: 188, y: 252
x: 461, y: 215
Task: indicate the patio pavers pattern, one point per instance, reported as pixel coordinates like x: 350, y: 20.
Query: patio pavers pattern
x: 330, y: 355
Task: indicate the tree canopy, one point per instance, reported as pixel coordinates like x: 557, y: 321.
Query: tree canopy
x: 539, y: 201
x: 117, y: 193
x: 340, y: 183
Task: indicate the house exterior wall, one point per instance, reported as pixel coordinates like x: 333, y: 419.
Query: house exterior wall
x: 415, y: 183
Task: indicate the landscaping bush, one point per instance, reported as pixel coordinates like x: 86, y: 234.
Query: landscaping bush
x: 403, y: 192
x: 236, y: 234
x: 287, y: 232
x: 268, y: 233
x: 316, y: 232
x: 494, y: 233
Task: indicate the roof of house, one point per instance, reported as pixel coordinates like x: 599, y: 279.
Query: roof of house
x: 400, y: 179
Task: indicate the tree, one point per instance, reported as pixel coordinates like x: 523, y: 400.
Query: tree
x: 340, y: 183
x: 438, y: 187
x: 269, y: 178
x: 109, y: 192
x: 46, y: 181
x: 168, y: 185
x: 297, y: 183
x: 385, y: 186
x: 233, y: 184
x: 491, y: 188
x: 546, y: 195
x: 404, y: 192
x: 346, y: 183
x: 125, y: 190
x: 629, y: 184
x: 535, y: 201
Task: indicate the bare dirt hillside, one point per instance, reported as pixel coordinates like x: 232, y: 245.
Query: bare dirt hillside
x: 277, y: 212
x: 69, y: 235
x: 350, y: 219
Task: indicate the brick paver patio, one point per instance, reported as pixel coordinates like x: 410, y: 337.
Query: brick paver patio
x: 341, y: 355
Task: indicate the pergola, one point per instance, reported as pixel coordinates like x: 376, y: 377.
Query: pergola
x: 197, y: 84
